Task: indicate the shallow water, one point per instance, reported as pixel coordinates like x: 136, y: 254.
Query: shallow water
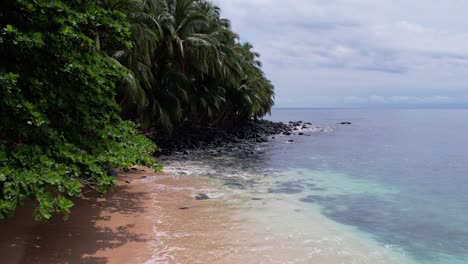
x: 250, y: 221
x: 390, y: 188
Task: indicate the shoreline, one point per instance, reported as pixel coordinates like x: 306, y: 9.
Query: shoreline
x: 188, y: 138
x: 155, y: 218
x: 148, y: 218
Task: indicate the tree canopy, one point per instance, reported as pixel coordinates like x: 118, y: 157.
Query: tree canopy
x: 60, y: 126
x: 79, y: 78
x: 188, y: 65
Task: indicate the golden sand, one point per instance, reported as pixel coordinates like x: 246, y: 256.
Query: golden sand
x: 154, y: 218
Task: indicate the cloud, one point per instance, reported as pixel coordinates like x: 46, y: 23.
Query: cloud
x: 408, y: 100
x: 352, y: 45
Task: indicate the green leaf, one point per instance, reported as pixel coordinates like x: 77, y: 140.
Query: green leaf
x: 9, y: 28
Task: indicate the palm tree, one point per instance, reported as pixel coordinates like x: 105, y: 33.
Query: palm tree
x: 187, y: 64
x: 254, y: 96
x: 135, y: 91
x: 188, y: 48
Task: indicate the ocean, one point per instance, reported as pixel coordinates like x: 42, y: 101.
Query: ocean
x: 392, y: 187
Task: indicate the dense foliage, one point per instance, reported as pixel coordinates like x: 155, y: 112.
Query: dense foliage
x: 71, y: 72
x: 60, y: 126
x: 188, y: 65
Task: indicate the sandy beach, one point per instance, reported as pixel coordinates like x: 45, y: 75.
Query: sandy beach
x: 155, y: 218
x: 148, y: 218
x: 114, y: 228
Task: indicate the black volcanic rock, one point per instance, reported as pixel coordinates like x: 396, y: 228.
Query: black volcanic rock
x: 202, y: 196
x: 190, y: 136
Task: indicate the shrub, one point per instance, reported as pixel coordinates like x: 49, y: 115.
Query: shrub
x: 60, y: 127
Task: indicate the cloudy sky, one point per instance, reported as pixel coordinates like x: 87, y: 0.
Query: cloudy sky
x: 359, y: 53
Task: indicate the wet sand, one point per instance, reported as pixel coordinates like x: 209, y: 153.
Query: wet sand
x: 149, y: 218
x: 114, y: 228
x: 154, y: 218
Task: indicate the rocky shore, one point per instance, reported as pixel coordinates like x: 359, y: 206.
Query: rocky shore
x: 192, y: 137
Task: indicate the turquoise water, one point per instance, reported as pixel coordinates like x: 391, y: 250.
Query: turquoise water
x: 394, y: 178
x: 400, y: 176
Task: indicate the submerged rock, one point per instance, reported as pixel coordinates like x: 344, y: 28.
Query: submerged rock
x: 285, y: 190
x: 202, y: 196
x: 317, y: 189
x: 314, y: 199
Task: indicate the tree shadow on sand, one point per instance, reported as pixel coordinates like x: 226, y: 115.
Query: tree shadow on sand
x: 22, y: 240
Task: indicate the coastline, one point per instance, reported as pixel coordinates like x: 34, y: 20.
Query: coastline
x: 154, y: 218
x: 148, y: 218
x: 233, y: 135
x: 261, y: 227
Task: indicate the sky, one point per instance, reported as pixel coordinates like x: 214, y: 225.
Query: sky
x: 358, y: 53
